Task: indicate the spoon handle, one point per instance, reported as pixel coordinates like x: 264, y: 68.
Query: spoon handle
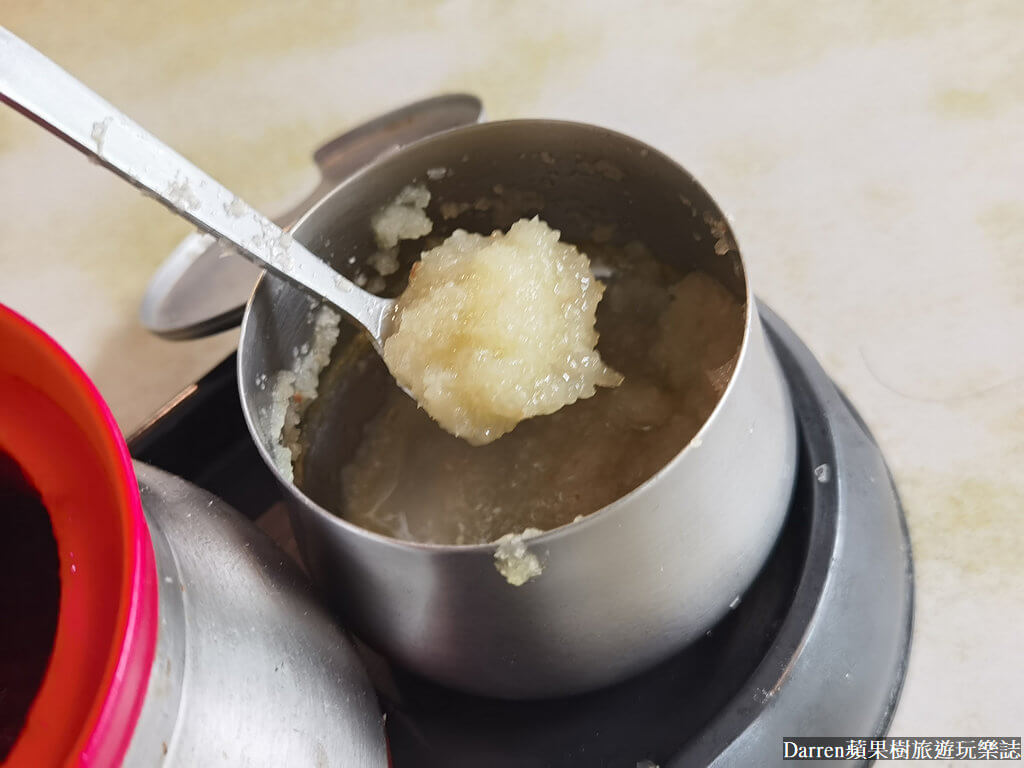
x: 42, y: 91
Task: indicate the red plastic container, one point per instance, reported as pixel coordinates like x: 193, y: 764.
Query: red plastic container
x: 55, y: 424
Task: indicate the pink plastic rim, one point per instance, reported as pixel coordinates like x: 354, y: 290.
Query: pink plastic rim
x: 55, y: 423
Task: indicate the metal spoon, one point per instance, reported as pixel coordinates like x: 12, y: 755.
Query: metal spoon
x: 203, y: 286
x: 42, y: 91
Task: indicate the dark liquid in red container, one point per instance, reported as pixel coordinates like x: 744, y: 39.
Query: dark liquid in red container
x: 29, y: 597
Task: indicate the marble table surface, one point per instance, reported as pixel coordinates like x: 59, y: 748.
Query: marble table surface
x: 870, y: 155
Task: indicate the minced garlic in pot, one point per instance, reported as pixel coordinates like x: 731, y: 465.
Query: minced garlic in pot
x: 496, y: 329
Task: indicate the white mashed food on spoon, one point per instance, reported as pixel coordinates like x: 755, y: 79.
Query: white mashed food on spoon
x: 496, y: 329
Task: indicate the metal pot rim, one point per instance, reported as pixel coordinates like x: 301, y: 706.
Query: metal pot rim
x: 591, y: 518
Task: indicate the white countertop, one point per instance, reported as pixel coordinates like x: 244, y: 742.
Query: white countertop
x: 871, y: 157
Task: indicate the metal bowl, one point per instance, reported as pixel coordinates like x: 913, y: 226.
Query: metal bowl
x: 624, y: 587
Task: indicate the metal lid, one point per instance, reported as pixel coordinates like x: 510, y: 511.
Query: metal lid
x: 202, y: 287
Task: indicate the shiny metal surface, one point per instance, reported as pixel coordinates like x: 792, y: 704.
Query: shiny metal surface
x: 44, y: 92
x: 623, y: 588
x: 838, y: 663
x: 203, y: 286
x: 250, y: 670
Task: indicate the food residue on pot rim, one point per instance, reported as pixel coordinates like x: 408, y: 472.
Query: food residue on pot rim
x: 514, y: 560
x: 293, y: 390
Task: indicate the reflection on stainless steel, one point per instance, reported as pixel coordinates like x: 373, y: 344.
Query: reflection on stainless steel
x: 628, y: 585
x: 249, y: 668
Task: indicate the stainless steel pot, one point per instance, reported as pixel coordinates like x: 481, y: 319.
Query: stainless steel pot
x: 621, y: 589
